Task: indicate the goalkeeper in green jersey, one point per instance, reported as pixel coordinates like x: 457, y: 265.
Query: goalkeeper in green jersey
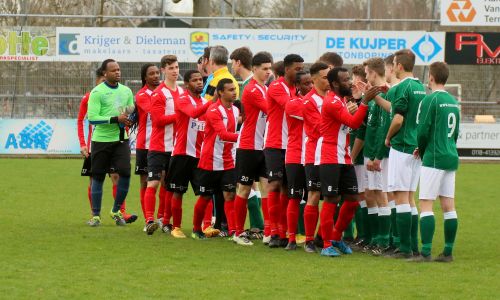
x: 437, y: 133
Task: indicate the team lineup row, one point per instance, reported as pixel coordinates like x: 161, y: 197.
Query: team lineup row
x: 360, y: 144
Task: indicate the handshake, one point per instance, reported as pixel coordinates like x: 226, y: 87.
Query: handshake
x: 128, y: 116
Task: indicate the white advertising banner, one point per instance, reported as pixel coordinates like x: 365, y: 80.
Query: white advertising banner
x: 479, y: 141
x: 470, y: 13
x: 358, y: 46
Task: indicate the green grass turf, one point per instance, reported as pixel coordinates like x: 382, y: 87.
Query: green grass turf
x: 47, y: 251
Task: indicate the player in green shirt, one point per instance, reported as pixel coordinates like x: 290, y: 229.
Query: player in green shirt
x: 109, y: 105
x: 437, y: 134
x: 404, y: 169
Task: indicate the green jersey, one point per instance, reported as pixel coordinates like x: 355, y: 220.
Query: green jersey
x: 106, y: 103
x: 372, y: 125
x: 358, y: 134
x: 385, y: 122
x: 245, y: 82
x: 437, y: 134
x: 408, y: 95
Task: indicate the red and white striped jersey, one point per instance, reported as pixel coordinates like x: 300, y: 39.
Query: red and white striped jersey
x: 336, y: 121
x: 278, y: 94
x: 295, y: 151
x: 254, y: 105
x: 312, y: 109
x: 82, y: 115
x: 163, y: 118
x: 190, y: 124
x: 218, y: 150
x: 144, y: 124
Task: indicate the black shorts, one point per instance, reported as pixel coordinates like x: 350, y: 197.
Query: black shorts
x: 141, y: 161
x: 181, y: 171
x: 157, y: 163
x: 338, y: 179
x: 296, y: 180
x: 211, y: 182
x: 87, y: 166
x: 250, y: 166
x: 110, y: 157
x: 312, y: 178
x: 275, y: 164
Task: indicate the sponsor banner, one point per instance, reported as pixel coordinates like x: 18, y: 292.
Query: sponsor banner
x: 472, y: 48
x: 150, y: 44
x: 479, y: 141
x: 470, y: 13
x: 358, y: 46
x: 27, y: 44
x: 38, y: 136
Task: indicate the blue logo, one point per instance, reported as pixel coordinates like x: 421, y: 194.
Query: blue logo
x: 426, y: 48
x: 68, y: 44
x: 31, y: 137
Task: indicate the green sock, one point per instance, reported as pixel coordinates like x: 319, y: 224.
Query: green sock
x: 366, y: 224
x: 450, y: 231
x: 414, y: 230
x: 384, y: 226
x: 349, y: 231
x: 358, y: 218
x: 301, y: 229
x: 254, y: 213
x: 403, y: 219
x: 394, y: 229
x: 427, y: 227
x: 373, y: 227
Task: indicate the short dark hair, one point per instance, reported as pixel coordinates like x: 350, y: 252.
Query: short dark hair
x: 290, y: 59
x: 206, y: 52
x: 299, y: 75
x: 318, y: 66
x: 99, y: 72
x: 144, y: 72
x: 332, y: 58
x: 200, y: 60
x: 244, y: 55
x: 375, y: 64
x: 389, y: 60
x: 262, y: 57
x: 333, y: 74
x: 359, y: 70
x: 188, y: 74
x: 167, y: 60
x: 222, y: 83
x: 440, y: 71
x: 279, y: 68
x: 406, y: 58
x: 105, y: 63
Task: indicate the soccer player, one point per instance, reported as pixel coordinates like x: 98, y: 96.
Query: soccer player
x: 108, y: 106
x: 161, y: 144
x: 381, y: 225
x: 150, y: 77
x: 332, y: 59
x: 190, y: 109
x: 275, y: 142
x: 337, y: 174
x: 304, y: 83
x: 250, y: 161
x: 404, y: 168
x: 241, y: 64
x: 313, y: 104
x: 437, y: 133
x: 216, y: 166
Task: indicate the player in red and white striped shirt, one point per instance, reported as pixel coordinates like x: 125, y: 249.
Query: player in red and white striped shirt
x: 161, y: 144
x: 189, y: 132
x: 250, y: 161
x: 150, y: 77
x: 216, y: 168
x: 312, y: 109
x: 85, y: 148
x: 332, y: 154
x: 279, y: 93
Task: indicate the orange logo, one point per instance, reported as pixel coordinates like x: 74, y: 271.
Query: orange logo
x: 461, y: 11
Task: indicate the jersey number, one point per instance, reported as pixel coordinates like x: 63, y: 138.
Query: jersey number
x: 418, y: 111
x: 452, y: 123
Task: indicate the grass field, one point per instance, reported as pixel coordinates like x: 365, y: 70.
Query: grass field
x: 47, y: 251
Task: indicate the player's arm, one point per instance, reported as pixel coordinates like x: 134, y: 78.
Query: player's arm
x: 339, y: 112
x: 186, y: 107
x: 313, y: 117
x: 215, y: 119
x: 258, y: 100
x: 384, y: 104
x: 210, y: 91
x: 81, y: 120
x: 425, y: 118
x: 372, y: 127
x: 94, y: 110
x: 293, y: 108
x: 400, y: 107
x: 158, y: 117
x: 457, y: 128
x: 279, y: 95
x: 357, y: 146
